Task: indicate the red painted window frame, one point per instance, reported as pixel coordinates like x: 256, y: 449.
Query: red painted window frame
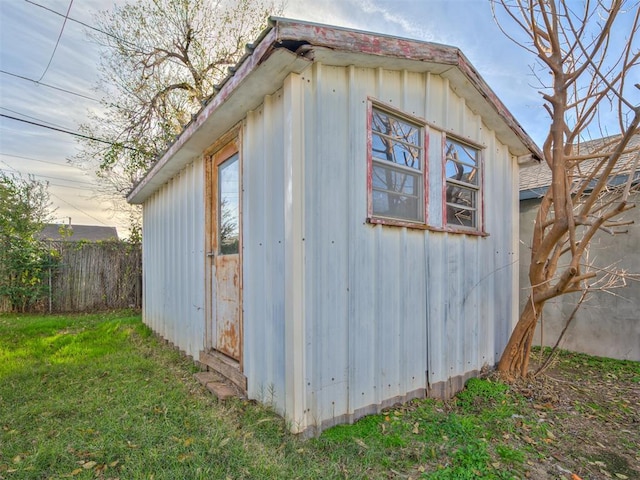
x: 480, y: 228
x: 424, y: 137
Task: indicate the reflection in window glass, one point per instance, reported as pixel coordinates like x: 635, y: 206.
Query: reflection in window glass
x: 397, y: 181
x: 228, y: 207
x: 462, y: 184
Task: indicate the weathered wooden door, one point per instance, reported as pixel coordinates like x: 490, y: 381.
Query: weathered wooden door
x: 226, y: 277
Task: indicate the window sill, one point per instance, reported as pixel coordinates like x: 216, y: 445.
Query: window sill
x: 459, y: 231
x: 389, y: 222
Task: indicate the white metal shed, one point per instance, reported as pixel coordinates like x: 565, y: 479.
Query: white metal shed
x: 337, y: 229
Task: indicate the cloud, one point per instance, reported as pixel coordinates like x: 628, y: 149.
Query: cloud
x: 28, y: 35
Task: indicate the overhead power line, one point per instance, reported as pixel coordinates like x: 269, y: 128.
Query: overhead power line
x: 48, y: 86
x: 79, y: 22
x: 79, y: 209
x: 57, y: 42
x: 119, y: 39
x: 41, y: 161
x: 66, y: 131
x: 79, y: 182
x: 84, y: 189
x: 61, y: 199
x: 32, y: 118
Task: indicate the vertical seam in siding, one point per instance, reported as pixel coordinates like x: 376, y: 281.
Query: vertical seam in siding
x: 294, y: 271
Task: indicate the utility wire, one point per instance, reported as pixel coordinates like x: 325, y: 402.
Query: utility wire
x: 32, y: 118
x: 67, y: 132
x: 57, y: 42
x: 41, y: 161
x: 81, y: 23
x: 79, y: 182
x: 115, y: 37
x: 48, y: 86
x: 84, y: 189
x: 80, y: 210
x: 61, y: 199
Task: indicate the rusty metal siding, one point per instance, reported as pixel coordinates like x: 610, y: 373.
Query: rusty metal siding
x: 386, y: 304
x: 173, y: 260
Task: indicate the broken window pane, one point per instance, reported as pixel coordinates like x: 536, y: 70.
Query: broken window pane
x: 460, y: 217
x: 462, y: 184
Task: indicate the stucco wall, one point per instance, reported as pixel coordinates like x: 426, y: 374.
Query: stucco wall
x: 607, y: 324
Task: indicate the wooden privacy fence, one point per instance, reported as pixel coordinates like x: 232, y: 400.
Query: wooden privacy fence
x: 95, y: 276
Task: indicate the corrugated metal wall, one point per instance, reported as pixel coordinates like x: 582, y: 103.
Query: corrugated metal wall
x: 384, y: 305
x: 174, y: 260
x: 340, y: 316
x: 264, y: 252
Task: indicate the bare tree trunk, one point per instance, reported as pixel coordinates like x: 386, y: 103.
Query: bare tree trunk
x: 582, y: 73
x: 515, y: 357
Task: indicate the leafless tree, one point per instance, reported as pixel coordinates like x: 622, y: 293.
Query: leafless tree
x: 161, y: 60
x: 587, y: 53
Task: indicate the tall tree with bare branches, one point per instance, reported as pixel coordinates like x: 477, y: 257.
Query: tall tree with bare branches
x: 587, y: 88
x: 162, y: 59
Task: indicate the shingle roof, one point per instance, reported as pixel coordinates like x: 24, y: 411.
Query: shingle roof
x: 87, y: 233
x: 535, y: 179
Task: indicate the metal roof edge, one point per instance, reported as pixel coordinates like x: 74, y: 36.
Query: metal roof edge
x: 290, y: 35
x: 242, y: 69
x: 364, y: 42
x: 533, y: 193
x: 474, y: 76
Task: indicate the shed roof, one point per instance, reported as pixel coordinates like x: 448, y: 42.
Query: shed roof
x: 535, y: 179
x: 290, y: 46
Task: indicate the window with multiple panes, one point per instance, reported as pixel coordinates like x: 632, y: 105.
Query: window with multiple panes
x: 462, y: 185
x: 398, y: 175
x: 397, y: 168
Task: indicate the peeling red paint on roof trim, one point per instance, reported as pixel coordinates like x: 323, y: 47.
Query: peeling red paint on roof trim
x: 358, y: 41
x: 366, y: 42
x: 285, y: 33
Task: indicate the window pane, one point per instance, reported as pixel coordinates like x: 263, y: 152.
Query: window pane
x: 397, y: 182
x: 390, y: 205
x: 396, y: 194
x: 461, y: 206
x: 228, y: 203
x: 395, y: 128
x: 460, y: 216
x: 461, y: 172
x: 459, y: 152
x: 387, y: 179
x: 461, y: 162
x: 461, y: 196
x: 384, y: 148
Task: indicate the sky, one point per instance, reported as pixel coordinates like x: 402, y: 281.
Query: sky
x: 29, y: 34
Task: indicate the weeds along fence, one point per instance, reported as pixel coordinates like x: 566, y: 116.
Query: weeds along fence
x: 95, y: 276
x: 83, y: 277
x: 86, y: 277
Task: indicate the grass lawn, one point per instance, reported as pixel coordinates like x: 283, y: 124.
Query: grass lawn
x: 98, y: 396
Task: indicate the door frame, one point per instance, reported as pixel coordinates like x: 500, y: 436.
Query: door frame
x: 220, y: 151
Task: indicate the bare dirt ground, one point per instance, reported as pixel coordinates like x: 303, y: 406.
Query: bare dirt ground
x: 592, y: 407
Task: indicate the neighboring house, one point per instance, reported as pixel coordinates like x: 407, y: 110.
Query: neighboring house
x: 337, y: 229
x: 77, y: 233
x: 607, y: 324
